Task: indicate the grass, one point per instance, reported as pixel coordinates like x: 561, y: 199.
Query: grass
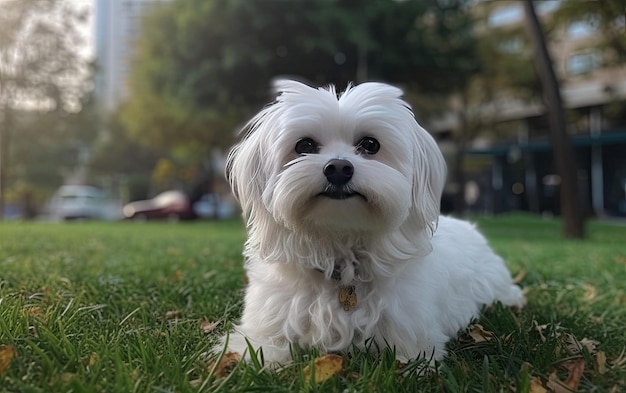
x: 119, y: 307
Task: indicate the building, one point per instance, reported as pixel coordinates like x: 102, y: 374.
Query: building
x: 517, y: 171
x: 117, y: 23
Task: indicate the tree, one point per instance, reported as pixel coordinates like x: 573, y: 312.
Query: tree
x: 502, y: 71
x: 561, y: 145
x: 40, y: 66
x: 202, y: 67
x: 447, y: 72
x: 206, y: 65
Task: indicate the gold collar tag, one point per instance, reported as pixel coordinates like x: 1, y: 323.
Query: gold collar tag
x: 347, y: 297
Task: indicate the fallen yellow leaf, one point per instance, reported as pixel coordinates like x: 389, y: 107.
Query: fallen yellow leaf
x: 519, y: 276
x: 89, y: 360
x: 575, y: 370
x: 556, y: 385
x: 575, y: 347
x: 539, y: 329
x: 174, y: 314
x: 589, y: 344
x: 324, y: 368
x: 590, y: 292
x: 176, y: 276
x: 600, y: 361
x: 225, y: 365
x: 207, y: 327
x: 536, y: 386
x: 173, y: 251
x: 7, y: 353
x: 67, y: 377
x: 479, y: 334
x: 575, y: 374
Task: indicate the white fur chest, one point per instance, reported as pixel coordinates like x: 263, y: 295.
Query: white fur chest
x: 307, y: 310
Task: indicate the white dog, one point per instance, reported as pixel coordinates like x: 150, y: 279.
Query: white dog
x: 340, y: 194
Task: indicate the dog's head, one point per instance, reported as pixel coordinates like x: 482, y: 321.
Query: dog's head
x: 354, y: 162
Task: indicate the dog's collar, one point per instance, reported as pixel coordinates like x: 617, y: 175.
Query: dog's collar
x: 347, y: 293
x: 337, y: 272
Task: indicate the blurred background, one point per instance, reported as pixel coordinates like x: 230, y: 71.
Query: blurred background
x: 127, y: 108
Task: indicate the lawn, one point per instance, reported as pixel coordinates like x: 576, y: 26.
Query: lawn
x: 124, y: 307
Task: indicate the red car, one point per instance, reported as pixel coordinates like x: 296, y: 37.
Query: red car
x: 172, y: 205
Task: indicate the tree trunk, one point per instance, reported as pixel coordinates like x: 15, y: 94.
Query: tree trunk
x: 458, y: 174
x: 5, y: 136
x: 563, y: 152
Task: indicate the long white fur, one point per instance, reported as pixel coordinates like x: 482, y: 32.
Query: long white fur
x: 419, y: 278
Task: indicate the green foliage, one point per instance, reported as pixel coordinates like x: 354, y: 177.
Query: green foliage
x: 203, y: 67
x: 121, y: 159
x: 43, y: 110
x: 118, y: 307
x: 39, y: 58
x: 508, y: 64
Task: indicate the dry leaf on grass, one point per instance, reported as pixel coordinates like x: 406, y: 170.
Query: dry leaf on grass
x: 67, y: 377
x: 539, y: 330
x: 536, y: 386
x: 174, y: 251
x: 174, y: 314
x: 575, y: 347
x: 176, y: 276
x: 324, y: 368
x: 32, y: 311
x: 519, y: 276
x: 600, y: 362
x: 207, y: 327
x: 589, y: 344
x: 590, y: 292
x: 89, y: 360
x: 479, y: 334
x: 575, y: 373
x: 226, y: 364
x: 7, y: 353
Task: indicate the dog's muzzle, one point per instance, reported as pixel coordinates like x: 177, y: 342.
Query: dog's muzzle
x: 339, y: 172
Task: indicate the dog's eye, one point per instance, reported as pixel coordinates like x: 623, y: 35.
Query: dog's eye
x: 368, y: 145
x: 306, y: 146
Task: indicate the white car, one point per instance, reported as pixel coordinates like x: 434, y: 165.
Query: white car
x: 75, y: 202
x: 212, y: 206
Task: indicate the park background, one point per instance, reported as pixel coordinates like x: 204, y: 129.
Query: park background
x: 137, y: 97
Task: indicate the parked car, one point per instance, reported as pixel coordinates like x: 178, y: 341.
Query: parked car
x: 79, y: 202
x: 213, y: 206
x: 172, y: 205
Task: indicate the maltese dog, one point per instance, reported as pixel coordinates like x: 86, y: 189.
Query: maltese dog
x: 340, y: 194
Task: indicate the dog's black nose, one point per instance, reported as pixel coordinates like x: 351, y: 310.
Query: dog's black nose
x: 338, y: 172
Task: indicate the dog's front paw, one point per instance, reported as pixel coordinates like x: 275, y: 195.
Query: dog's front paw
x: 250, y: 349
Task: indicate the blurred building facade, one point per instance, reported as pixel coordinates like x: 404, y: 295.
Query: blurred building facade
x: 117, y: 23
x: 515, y: 170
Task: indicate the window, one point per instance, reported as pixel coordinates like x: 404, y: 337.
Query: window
x: 502, y: 16
x: 545, y: 7
x: 583, y: 63
x: 581, y: 29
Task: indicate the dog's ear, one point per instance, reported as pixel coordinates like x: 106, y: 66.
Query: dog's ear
x: 244, y: 169
x: 428, y: 180
x: 246, y: 165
